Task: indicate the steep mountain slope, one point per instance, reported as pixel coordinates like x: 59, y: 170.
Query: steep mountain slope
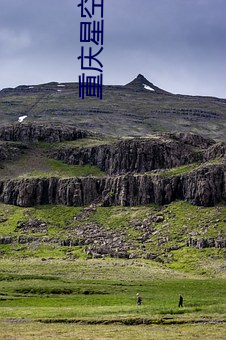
x: 140, y: 83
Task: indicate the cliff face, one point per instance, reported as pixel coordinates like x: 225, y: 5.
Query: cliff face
x: 35, y: 133
x: 131, y: 155
x: 202, y: 187
x: 191, y: 139
x: 206, y: 187
x: 215, y: 151
x: 125, y: 163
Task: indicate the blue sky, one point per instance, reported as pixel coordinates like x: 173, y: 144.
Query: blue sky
x: 179, y: 45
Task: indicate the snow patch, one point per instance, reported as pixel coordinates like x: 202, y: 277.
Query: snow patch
x: 21, y: 118
x: 59, y: 90
x: 148, y: 87
x: 31, y: 87
x: 61, y: 85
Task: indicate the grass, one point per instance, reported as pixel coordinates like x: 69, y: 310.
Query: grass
x: 55, y: 216
x: 87, y: 142
x: 203, y: 261
x: 45, y: 287
x: 78, y: 143
x: 168, y: 238
x: 119, y: 217
x: 36, y: 163
x: 113, y: 332
x: 96, y: 299
x: 181, y: 221
x: 184, y: 169
x: 58, y: 296
x: 180, y: 170
x: 60, y: 169
x: 34, y: 331
x: 49, y: 290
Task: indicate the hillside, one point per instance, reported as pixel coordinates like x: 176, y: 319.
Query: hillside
x: 100, y: 200
x: 137, y: 109
x: 82, y: 193
x: 67, y: 155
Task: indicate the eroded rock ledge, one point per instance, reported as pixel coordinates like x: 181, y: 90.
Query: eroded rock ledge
x: 37, y: 132
x: 131, y: 155
x: 204, y: 186
x: 144, y: 155
x: 126, y: 163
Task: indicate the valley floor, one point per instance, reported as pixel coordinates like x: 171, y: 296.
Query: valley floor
x: 96, y: 299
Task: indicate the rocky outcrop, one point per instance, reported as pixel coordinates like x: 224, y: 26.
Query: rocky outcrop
x: 11, y: 151
x: 137, y: 155
x: 215, y: 151
x: 144, y: 155
x: 33, y: 225
x: 138, y: 85
x: 205, y: 186
x: 35, y: 133
x: 201, y: 243
x: 125, y: 163
x: 29, y: 192
x: 191, y: 139
x: 98, y: 241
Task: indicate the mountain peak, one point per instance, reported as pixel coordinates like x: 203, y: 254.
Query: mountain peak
x: 141, y: 77
x: 140, y: 83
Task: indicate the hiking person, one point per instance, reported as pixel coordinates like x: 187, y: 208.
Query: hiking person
x: 139, y: 299
x: 180, y: 301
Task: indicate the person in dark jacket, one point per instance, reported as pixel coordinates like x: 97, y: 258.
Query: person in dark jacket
x: 180, y: 301
x: 139, y: 299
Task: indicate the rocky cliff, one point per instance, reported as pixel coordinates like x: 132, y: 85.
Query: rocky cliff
x: 133, y: 166
x: 11, y: 151
x: 132, y: 155
x: 205, y: 186
x: 215, y: 151
x: 191, y: 139
x: 37, y: 132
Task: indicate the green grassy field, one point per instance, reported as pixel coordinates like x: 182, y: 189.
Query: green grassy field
x: 52, y: 291
x: 60, y: 169
x: 38, y: 331
x: 96, y: 299
x: 167, y: 240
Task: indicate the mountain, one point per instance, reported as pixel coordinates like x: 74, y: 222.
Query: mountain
x: 140, y: 173
x: 138, y: 108
x: 140, y: 83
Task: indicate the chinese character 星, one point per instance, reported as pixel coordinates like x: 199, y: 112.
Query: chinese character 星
x: 94, y: 33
